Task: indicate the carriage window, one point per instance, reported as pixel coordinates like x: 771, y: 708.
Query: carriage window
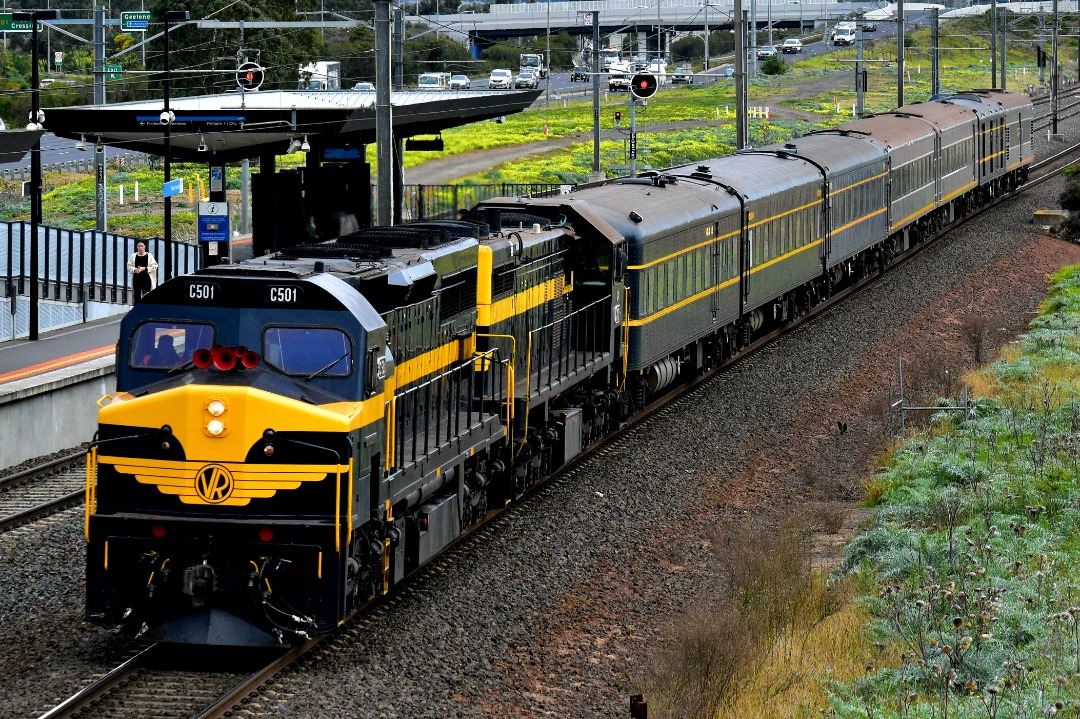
x: 308, y: 350
x: 164, y: 345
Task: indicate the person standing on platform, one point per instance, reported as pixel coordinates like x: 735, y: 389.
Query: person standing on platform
x: 143, y: 269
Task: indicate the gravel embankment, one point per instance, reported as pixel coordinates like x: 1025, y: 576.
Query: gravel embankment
x: 560, y: 609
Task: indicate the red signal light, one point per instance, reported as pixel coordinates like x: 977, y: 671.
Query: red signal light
x: 643, y: 85
x: 250, y: 75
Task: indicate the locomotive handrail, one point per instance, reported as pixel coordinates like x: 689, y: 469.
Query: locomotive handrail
x: 491, y: 355
x: 510, y: 377
x: 606, y: 300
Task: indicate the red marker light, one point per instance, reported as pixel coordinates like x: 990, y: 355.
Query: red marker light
x: 266, y: 534
x: 158, y: 530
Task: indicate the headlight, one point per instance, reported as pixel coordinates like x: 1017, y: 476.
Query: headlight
x: 216, y: 408
x: 215, y: 427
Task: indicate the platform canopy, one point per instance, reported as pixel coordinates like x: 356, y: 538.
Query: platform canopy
x: 14, y: 144
x: 234, y: 126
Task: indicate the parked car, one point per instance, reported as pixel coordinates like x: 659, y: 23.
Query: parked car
x: 792, y: 44
x: 527, y: 78
x: 459, y: 82
x: 501, y: 79
x: 682, y: 76
x: 766, y: 51
x: 869, y: 27
x: 364, y: 87
x: 579, y: 73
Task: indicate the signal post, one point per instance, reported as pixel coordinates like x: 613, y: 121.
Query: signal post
x: 642, y: 87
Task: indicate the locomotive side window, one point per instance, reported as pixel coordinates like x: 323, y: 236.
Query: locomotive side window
x: 164, y: 345
x: 308, y: 351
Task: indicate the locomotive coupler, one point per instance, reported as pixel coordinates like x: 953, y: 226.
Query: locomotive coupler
x: 200, y: 582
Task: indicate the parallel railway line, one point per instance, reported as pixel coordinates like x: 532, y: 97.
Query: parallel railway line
x: 41, y: 490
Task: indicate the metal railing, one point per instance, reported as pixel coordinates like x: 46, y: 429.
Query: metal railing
x: 567, y: 345
x: 84, y: 164
x: 76, y: 267
x: 430, y: 202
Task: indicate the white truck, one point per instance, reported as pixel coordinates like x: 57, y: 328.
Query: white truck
x: 534, y: 61
x: 322, y: 75
x: 844, y: 34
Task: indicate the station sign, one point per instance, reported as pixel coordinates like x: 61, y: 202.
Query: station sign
x: 213, y: 222
x: 138, y: 21
x: 113, y: 72
x: 172, y: 188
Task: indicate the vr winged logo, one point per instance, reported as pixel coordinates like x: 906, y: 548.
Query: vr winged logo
x: 233, y: 484
x: 214, y: 483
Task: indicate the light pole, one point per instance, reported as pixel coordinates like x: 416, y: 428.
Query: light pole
x: 37, y: 117
x: 167, y: 119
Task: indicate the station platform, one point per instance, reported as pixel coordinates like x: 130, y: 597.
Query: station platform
x: 22, y: 360
x: 49, y: 389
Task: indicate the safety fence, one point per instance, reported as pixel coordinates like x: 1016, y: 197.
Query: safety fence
x: 81, y: 274
x: 431, y: 202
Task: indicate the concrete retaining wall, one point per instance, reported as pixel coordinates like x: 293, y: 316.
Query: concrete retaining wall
x: 52, y: 412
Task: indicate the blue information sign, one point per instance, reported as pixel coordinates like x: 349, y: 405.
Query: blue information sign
x: 172, y: 187
x: 213, y: 222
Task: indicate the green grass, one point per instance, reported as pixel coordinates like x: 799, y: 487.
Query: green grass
x: 972, y: 552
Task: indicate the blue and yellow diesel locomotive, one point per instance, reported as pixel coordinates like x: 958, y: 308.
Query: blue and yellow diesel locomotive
x: 293, y: 435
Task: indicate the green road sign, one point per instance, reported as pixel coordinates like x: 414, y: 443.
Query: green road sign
x: 113, y: 72
x: 134, y: 21
x: 9, y: 25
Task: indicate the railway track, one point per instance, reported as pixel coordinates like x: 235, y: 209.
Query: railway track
x: 42, y: 490
x: 167, y: 683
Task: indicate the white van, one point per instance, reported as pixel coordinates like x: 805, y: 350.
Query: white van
x: 434, y: 81
x: 844, y: 34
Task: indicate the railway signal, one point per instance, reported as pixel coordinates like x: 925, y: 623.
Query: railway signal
x: 643, y: 85
x: 249, y: 76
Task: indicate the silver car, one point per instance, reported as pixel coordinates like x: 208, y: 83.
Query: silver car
x: 459, y: 82
x: 527, y: 78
